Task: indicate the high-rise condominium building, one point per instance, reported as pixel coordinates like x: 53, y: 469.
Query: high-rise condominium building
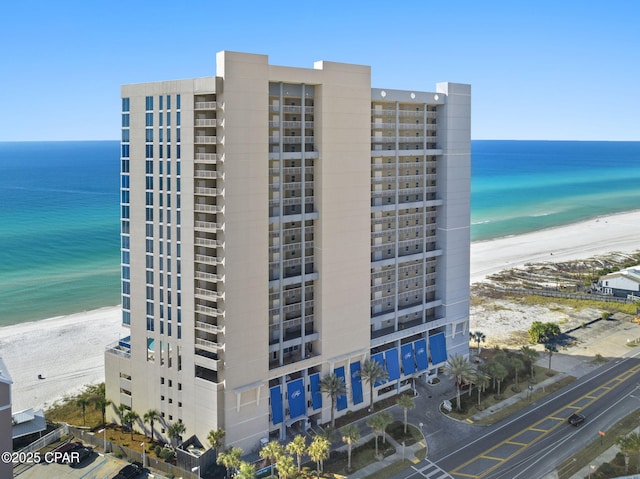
x: 280, y: 224
x: 6, y: 422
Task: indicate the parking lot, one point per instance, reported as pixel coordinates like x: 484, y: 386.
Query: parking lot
x: 95, y: 467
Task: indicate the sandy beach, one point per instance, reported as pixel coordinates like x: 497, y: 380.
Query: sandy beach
x: 68, y: 351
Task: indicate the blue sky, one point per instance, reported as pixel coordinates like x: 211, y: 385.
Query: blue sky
x: 549, y: 70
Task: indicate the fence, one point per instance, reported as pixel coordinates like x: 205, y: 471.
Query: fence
x: 47, y: 439
x: 559, y: 294
x: 98, y: 441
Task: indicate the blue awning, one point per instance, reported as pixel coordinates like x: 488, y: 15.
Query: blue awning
x: 379, y: 358
x: 341, y: 401
x: 316, y: 395
x: 438, y: 348
x: 297, y: 402
x: 276, y: 405
x: 420, y: 347
x: 393, y: 366
x: 356, y: 383
x: 408, y: 361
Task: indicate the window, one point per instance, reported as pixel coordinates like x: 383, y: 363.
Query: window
x: 168, y: 102
x: 125, y: 120
x: 125, y: 104
x: 149, y: 119
x: 178, y: 102
x: 149, y: 103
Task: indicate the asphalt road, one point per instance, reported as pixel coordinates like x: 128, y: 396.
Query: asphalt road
x: 535, y: 441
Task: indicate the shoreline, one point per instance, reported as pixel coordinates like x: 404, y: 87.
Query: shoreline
x: 69, y: 350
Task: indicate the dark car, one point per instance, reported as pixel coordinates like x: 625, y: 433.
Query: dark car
x: 63, y: 451
x: 80, y: 455
x: 129, y: 471
x: 576, y: 419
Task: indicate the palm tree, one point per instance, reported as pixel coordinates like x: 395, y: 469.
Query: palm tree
x: 333, y: 385
x: 83, y: 402
x: 230, y: 458
x: 406, y: 403
x: 129, y: 418
x: 530, y: 356
x: 286, y: 467
x: 319, y: 451
x: 216, y: 438
x: 550, y: 349
x: 634, y: 437
x: 122, y: 410
x: 372, y: 372
x: 298, y: 447
x: 101, y: 403
x: 517, y: 365
x: 481, y: 381
x: 378, y: 424
x: 478, y: 337
x: 245, y: 470
x: 626, y: 447
x: 499, y: 373
x: 272, y: 451
x: 175, y: 432
x: 350, y: 435
x: 459, y: 368
x: 151, y: 416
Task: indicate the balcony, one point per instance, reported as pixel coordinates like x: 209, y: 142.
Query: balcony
x: 291, y: 124
x: 209, y: 345
x: 209, y: 243
x: 200, y: 190
x: 208, y: 294
x: 204, y: 259
x: 200, y: 208
x: 207, y: 226
x: 211, y: 277
x: 209, y: 328
x: 208, y: 310
x: 207, y: 174
x: 381, y: 112
x: 207, y: 158
x: 204, y: 140
x: 205, y: 105
x: 205, y: 122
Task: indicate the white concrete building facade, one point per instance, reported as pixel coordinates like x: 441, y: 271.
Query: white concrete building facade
x: 6, y: 423
x: 280, y: 224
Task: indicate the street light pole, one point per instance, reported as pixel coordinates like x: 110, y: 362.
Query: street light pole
x: 143, y: 455
x: 194, y: 469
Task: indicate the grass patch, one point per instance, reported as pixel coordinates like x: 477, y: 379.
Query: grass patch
x: 469, y: 402
x: 577, y: 304
x: 524, y: 402
x: 67, y: 410
x: 361, y: 456
x: 597, y: 447
x: 396, y: 431
x: 390, y: 470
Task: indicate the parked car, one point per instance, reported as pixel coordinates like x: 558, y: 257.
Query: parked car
x: 82, y: 454
x: 62, y: 451
x: 129, y: 471
x: 576, y: 419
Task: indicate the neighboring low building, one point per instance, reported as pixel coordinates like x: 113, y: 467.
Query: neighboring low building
x: 621, y: 283
x: 6, y: 444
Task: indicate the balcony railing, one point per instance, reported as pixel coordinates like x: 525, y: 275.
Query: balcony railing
x: 207, y: 276
x: 205, y: 105
x: 204, y: 140
x: 208, y: 310
x: 209, y: 345
x: 207, y: 158
x: 205, y: 122
x: 208, y: 294
x: 207, y: 226
x: 209, y: 243
x: 201, y: 258
x: 207, y: 208
x: 207, y: 174
x: 201, y: 190
x: 210, y: 328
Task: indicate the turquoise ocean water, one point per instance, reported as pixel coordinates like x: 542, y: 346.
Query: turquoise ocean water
x: 59, y: 210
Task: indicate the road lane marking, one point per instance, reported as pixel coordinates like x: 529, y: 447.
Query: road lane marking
x: 579, y: 403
